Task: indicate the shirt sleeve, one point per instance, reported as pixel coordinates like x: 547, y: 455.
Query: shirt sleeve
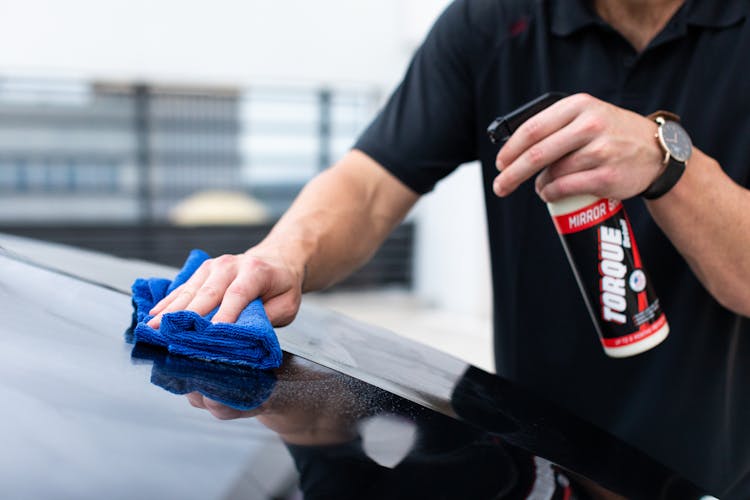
x: 427, y: 127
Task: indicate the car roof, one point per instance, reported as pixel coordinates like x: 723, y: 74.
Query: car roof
x: 88, y: 417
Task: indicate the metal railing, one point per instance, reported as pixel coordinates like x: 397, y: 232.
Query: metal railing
x: 102, y: 165
x: 100, y: 151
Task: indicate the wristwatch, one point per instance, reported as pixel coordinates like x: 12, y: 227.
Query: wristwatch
x: 677, y: 147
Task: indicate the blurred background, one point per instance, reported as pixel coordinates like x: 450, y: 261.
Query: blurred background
x: 147, y: 128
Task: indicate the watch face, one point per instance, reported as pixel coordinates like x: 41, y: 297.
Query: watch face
x: 676, y: 140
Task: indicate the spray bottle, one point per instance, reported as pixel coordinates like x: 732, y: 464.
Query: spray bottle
x: 599, y: 242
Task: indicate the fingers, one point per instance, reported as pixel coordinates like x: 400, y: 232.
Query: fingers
x: 201, y: 293
x: 221, y: 411
x: 195, y: 399
x: 231, y: 282
x: 159, y: 307
x: 545, y: 138
x: 212, y: 290
x: 536, y: 129
x: 180, y: 296
x: 218, y: 410
x: 243, y: 290
x: 537, y: 157
x: 184, y: 290
x: 593, y: 182
x: 214, y: 282
x: 586, y: 158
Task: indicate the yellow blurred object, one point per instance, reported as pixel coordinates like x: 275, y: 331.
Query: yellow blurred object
x: 214, y: 208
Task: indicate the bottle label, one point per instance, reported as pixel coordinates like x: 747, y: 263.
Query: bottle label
x: 599, y: 242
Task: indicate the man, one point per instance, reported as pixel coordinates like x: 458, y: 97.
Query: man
x: 683, y: 401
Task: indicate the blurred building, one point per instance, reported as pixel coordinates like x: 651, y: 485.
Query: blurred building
x: 77, y: 151
x: 257, y: 73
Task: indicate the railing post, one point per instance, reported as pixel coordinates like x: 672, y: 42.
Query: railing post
x: 324, y: 129
x: 143, y: 159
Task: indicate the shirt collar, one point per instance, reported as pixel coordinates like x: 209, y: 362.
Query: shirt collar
x: 569, y: 16
x: 714, y: 14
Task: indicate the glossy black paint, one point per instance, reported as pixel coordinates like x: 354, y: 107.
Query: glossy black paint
x: 354, y: 412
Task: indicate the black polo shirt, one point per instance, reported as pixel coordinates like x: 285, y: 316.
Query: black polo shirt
x: 686, y: 402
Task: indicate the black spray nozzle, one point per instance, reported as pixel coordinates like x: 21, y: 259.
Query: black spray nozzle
x: 503, y: 127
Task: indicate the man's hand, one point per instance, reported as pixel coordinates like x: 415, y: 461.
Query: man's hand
x: 581, y: 145
x: 310, y: 405
x: 234, y: 281
x: 220, y: 411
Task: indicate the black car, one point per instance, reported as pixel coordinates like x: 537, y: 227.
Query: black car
x: 355, y: 412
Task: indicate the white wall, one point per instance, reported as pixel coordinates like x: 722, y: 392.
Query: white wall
x: 226, y: 41
x: 452, y: 265
x: 262, y: 41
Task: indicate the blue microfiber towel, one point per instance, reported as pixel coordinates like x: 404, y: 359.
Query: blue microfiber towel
x: 237, y: 387
x: 250, y: 341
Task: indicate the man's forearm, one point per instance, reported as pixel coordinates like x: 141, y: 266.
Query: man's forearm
x: 706, y: 217
x: 334, y: 225
x: 339, y: 219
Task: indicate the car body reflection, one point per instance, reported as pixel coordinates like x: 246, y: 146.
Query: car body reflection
x: 329, y: 422
x: 353, y: 412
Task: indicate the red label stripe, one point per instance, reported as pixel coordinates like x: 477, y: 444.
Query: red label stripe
x: 642, y: 296
x: 632, y: 338
x: 586, y: 217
